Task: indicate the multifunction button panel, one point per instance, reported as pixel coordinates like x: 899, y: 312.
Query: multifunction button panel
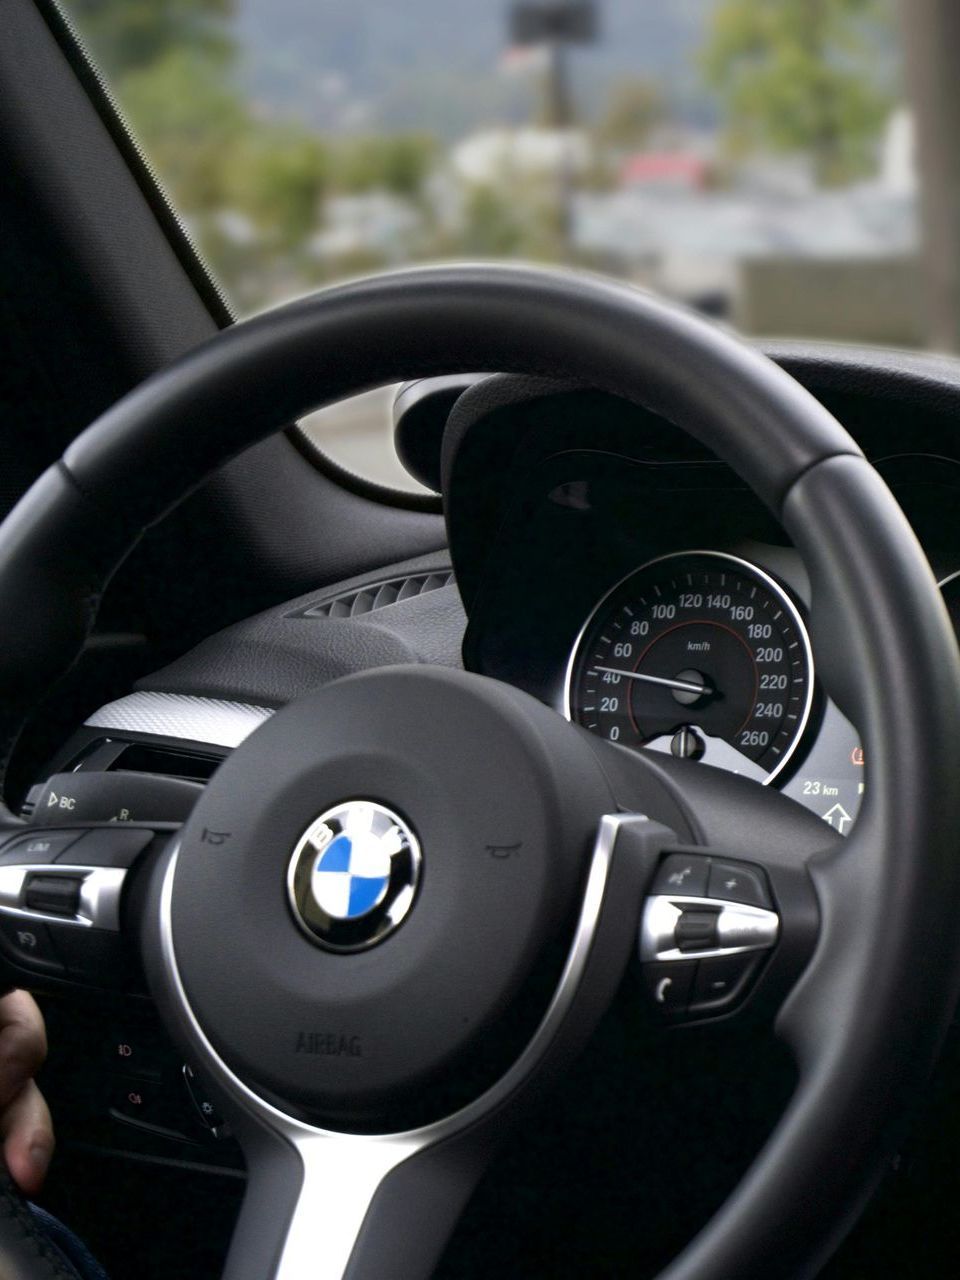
x: 60, y: 900
x: 120, y: 1084
x: 708, y: 924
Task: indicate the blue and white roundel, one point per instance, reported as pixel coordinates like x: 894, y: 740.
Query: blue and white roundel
x: 352, y: 874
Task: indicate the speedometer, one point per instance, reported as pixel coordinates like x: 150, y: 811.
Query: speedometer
x: 702, y: 655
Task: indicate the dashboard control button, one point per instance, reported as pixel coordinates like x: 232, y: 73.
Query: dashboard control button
x: 669, y: 984
x: 134, y: 1052
x: 109, y: 847
x: 29, y: 943
x: 205, y: 1110
x: 138, y: 1101
x: 52, y: 894
x: 722, y: 980
x: 95, y: 956
x: 682, y: 873
x: 696, y: 930
x: 39, y: 846
x: 736, y: 882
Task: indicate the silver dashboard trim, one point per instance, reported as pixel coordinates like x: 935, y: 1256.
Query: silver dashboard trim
x: 768, y: 581
x: 215, y: 721
x: 343, y: 1172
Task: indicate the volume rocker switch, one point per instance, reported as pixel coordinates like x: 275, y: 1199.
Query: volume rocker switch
x: 696, y: 930
x: 52, y: 894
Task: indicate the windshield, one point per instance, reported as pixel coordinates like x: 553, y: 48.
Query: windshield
x: 752, y: 158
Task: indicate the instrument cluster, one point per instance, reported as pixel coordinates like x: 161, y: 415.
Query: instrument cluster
x: 705, y: 656
x: 702, y: 655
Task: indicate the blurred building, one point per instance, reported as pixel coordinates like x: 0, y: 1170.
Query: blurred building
x: 772, y: 251
x: 492, y: 156
x: 375, y: 224
x: 664, y: 171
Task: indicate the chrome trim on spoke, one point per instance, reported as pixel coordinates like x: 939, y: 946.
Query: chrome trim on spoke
x: 739, y: 927
x: 100, y: 892
x: 181, y: 715
x: 343, y: 1172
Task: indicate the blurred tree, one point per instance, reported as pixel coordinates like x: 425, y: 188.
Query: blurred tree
x: 190, y: 122
x: 126, y: 35
x: 278, y: 175
x: 799, y: 76
x: 515, y: 217
x: 399, y: 163
x: 491, y: 227
x: 633, y: 109
x: 251, y: 189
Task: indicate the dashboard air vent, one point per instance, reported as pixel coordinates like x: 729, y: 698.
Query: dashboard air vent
x: 377, y: 595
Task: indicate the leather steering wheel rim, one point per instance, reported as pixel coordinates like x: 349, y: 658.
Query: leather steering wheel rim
x: 867, y: 1018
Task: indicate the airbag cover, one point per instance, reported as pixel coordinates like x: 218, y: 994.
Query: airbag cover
x: 502, y: 798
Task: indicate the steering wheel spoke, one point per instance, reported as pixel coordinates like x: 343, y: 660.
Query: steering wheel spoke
x: 332, y: 1204
x: 731, y: 914
x: 63, y: 896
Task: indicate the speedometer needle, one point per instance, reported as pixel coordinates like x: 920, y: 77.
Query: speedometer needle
x: 682, y: 686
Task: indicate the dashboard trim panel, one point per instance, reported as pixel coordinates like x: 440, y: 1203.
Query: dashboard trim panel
x: 182, y: 716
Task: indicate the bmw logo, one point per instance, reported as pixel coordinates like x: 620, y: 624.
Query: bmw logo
x: 353, y: 875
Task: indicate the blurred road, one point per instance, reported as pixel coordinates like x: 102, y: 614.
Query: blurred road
x: 358, y: 434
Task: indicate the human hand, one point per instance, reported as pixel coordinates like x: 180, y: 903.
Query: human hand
x: 25, y: 1125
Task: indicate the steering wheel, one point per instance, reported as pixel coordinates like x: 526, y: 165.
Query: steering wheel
x: 402, y: 905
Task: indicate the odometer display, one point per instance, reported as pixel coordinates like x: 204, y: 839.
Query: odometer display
x: 699, y: 654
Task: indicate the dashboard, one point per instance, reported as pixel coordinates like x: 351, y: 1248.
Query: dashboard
x: 609, y: 565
